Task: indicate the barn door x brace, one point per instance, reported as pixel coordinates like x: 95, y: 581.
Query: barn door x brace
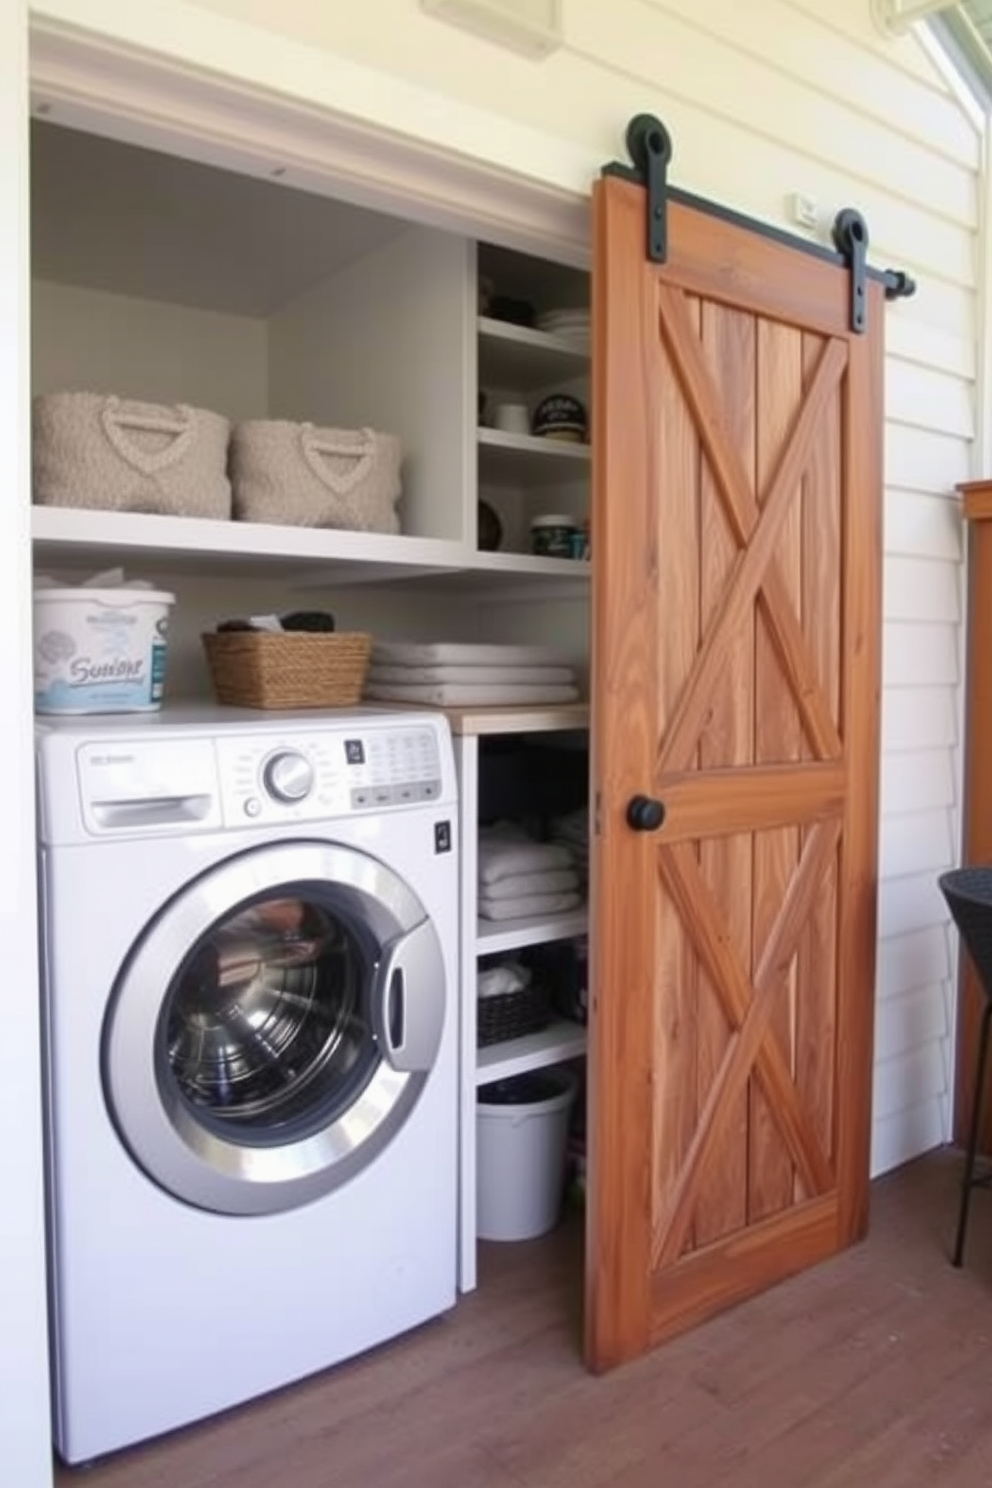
x: 649, y: 146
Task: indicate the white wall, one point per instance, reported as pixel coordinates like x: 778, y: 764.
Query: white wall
x: 351, y: 352
x: 25, y: 1456
x: 763, y: 100
x: 85, y: 340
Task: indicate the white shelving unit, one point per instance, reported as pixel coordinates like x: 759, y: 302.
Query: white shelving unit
x: 70, y: 536
x: 493, y: 936
x: 523, y: 476
x: 182, y: 283
x: 75, y: 538
x: 519, y: 357
x: 527, y: 459
x: 561, y: 1040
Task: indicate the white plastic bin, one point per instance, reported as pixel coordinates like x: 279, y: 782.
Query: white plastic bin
x: 100, y: 650
x: 522, y: 1136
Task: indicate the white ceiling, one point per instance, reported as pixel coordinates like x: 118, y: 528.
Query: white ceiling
x: 116, y: 217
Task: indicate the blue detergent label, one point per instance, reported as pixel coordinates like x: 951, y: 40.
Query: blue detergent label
x: 158, y: 670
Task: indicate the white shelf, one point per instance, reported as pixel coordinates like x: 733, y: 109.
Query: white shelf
x: 526, y: 459
x: 65, y: 535
x: 530, y: 563
x: 532, y: 718
x: 91, y: 540
x: 509, y: 935
x: 560, y: 1040
x: 520, y: 358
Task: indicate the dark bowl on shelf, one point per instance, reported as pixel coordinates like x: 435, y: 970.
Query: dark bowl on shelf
x: 490, y: 528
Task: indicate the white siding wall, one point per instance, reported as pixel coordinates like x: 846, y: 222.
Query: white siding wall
x: 763, y: 99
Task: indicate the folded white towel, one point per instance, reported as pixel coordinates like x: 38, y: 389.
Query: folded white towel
x: 517, y: 885
x: 480, y: 672
x: 529, y: 907
x: 458, y: 653
x: 496, y: 981
x: 572, y: 823
x: 506, y: 856
x: 467, y: 694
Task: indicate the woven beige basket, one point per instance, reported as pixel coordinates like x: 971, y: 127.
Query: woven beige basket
x: 266, y: 669
x: 298, y: 475
x: 117, y: 454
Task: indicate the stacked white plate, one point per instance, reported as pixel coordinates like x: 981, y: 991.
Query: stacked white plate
x: 571, y: 325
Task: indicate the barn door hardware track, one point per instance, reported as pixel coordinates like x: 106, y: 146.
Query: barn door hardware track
x: 649, y: 146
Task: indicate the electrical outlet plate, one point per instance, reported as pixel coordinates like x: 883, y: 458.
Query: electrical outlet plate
x: 532, y: 28
x: 803, y: 210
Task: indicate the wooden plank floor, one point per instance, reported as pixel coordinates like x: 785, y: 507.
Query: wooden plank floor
x: 875, y: 1369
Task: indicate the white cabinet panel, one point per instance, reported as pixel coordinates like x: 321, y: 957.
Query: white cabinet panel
x: 92, y: 341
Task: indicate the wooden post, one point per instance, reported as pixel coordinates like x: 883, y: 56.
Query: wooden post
x: 977, y: 824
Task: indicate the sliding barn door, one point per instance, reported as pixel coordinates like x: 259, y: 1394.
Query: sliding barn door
x: 736, y: 646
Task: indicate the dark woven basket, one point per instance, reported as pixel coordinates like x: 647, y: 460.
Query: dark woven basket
x: 968, y: 892
x: 511, y: 1015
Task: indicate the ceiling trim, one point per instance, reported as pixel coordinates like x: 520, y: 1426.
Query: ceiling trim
x: 108, y: 87
x: 895, y: 17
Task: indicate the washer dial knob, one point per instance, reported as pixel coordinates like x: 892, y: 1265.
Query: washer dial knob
x: 288, y: 776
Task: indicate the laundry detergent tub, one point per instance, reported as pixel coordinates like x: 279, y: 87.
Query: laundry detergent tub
x: 522, y: 1125
x: 100, y: 650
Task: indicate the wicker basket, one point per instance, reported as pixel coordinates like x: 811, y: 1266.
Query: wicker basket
x: 266, y: 669
x: 510, y: 1015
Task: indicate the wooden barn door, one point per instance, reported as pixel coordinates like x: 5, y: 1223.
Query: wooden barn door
x: 736, y: 655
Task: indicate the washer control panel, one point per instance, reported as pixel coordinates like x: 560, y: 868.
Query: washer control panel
x: 305, y: 777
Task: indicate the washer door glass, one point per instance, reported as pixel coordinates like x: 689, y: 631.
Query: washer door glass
x: 267, y: 1028
x: 274, y: 1026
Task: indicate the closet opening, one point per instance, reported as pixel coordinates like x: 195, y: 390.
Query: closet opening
x: 165, y: 282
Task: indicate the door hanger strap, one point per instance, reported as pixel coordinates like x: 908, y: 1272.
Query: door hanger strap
x: 649, y: 146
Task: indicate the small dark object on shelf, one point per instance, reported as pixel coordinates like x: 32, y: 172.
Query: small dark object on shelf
x: 510, y: 1015
x: 312, y: 620
x: 517, y: 312
x: 490, y: 528
x: 560, y: 416
x: 228, y: 625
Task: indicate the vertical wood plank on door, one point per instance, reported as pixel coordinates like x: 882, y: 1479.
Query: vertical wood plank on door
x: 677, y: 622
x: 729, y: 345
x: 859, y: 706
x: 625, y: 681
x: 816, y: 1011
x: 778, y: 737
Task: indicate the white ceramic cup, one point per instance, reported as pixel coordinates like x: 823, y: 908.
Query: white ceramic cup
x: 512, y: 418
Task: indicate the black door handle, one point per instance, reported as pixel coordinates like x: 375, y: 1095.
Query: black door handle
x: 645, y: 813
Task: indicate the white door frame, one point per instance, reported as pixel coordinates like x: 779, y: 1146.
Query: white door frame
x: 167, y: 102
x: 25, y: 1430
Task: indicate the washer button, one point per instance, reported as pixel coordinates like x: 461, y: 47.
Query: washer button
x: 252, y: 806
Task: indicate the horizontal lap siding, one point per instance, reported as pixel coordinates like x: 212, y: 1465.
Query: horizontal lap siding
x: 763, y: 100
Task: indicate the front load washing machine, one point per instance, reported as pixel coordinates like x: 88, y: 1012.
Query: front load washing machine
x: 250, y: 978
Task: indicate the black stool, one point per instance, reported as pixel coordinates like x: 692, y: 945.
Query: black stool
x: 968, y: 892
